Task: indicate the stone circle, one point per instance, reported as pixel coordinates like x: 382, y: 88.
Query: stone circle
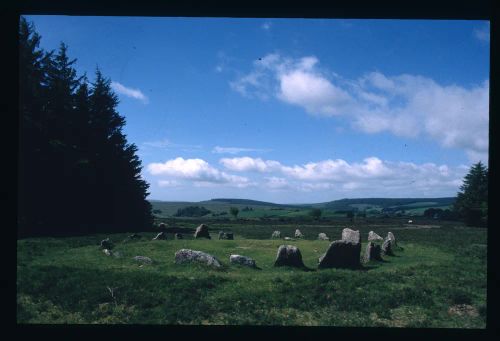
x: 373, y: 237
x: 323, y: 236
x: 106, y: 244
x: 341, y: 254
x: 298, y: 234
x: 188, y: 256
x: 202, y: 232
x: 289, y: 255
x: 373, y: 252
x: 242, y: 260
x: 143, y: 259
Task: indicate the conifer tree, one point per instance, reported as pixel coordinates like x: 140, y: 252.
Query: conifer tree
x: 77, y: 172
x: 472, y: 200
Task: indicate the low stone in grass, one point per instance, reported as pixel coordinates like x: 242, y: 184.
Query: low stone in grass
x: 188, y: 256
x: 289, y: 255
x: 373, y: 237
x: 288, y: 238
x: 373, y: 252
x: 160, y: 236
x: 387, y: 247
x: 143, y: 259
x: 107, y: 252
x: 242, y: 260
x: 276, y: 234
x: 298, y: 234
x: 134, y: 236
x: 229, y: 236
x: 323, y: 236
x: 202, y: 232
x: 341, y: 254
x: 106, y: 244
x: 178, y: 236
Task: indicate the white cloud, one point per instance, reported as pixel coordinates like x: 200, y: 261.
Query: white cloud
x: 167, y: 144
x: 129, y: 92
x: 276, y: 183
x: 404, y: 105
x: 246, y: 164
x: 483, y: 33
x: 266, y: 26
x: 371, y: 176
x: 235, y: 150
x: 197, y: 170
x: 169, y: 183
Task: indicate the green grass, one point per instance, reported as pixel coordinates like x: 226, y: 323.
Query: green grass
x: 66, y: 280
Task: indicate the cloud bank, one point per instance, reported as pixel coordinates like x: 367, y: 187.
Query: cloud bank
x: 404, y: 105
x: 370, y: 177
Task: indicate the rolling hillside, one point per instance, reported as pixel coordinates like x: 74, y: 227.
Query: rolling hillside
x: 258, y: 209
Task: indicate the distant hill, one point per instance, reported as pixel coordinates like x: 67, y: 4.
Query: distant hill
x: 255, y: 208
x: 244, y: 202
x: 385, y: 203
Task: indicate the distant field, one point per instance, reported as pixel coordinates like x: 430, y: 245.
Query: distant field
x: 437, y: 280
x: 270, y: 210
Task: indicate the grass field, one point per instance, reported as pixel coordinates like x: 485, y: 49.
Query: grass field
x: 437, y: 280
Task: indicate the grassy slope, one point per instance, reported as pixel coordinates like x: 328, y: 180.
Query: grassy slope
x: 66, y: 280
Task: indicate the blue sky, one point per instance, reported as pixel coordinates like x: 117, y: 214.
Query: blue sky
x: 291, y: 110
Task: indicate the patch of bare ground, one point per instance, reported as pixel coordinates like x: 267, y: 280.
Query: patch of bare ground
x: 463, y: 310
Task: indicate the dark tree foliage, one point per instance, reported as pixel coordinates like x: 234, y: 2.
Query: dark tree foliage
x: 77, y: 173
x: 315, y: 213
x: 433, y: 213
x: 192, y: 211
x: 472, y: 200
x: 234, y: 211
x: 350, y: 215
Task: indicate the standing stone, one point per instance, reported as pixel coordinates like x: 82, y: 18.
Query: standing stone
x: 222, y: 235
x: 160, y: 236
x: 373, y: 237
x: 276, y: 234
x: 230, y: 236
x: 188, y: 256
x: 298, y: 234
x: 323, y: 236
x: 289, y: 255
x: 106, y: 244
x: 392, y: 238
x: 162, y: 226
x: 343, y: 253
x: 387, y: 247
x: 242, y: 260
x: 373, y: 252
x: 178, y: 236
x: 351, y: 236
x: 143, y: 259
x: 202, y: 232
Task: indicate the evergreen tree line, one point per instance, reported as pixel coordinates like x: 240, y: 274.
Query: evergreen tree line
x: 77, y: 173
